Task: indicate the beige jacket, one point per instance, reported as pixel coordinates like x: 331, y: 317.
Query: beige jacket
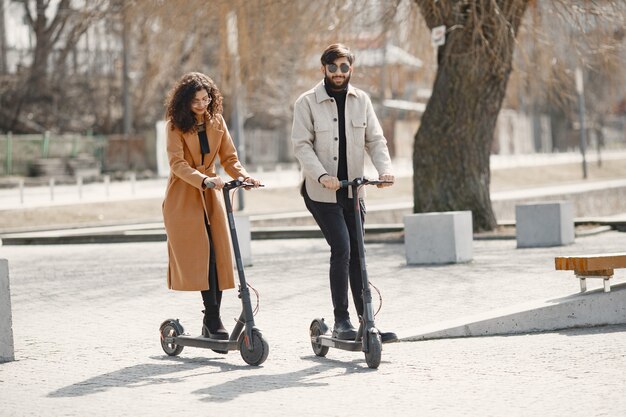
x: 315, y: 134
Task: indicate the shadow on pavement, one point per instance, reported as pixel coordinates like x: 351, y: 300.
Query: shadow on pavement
x: 145, y: 374
x: 307, y: 377
x: 160, y: 373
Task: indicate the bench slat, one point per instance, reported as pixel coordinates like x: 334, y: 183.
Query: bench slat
x: 602, y: 273
x: 591, y: 262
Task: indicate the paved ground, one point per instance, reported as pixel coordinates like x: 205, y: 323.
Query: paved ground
x: 86, y: 318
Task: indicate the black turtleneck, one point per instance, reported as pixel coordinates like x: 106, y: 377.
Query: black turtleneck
x: 342, y: 166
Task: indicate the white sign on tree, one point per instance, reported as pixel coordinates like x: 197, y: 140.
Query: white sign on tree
x: 438, y: 36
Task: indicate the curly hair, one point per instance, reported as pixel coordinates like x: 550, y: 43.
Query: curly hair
x: 178, y: 103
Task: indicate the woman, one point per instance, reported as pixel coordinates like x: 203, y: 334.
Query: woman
x: 198, y: 242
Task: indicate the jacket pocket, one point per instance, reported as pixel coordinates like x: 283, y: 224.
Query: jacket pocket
x: 323, y: 135
x: 321, y: 128
x: 358, y: 130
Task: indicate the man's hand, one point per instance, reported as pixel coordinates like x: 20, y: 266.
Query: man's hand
x: 332, y: 183
x: 386, y: 177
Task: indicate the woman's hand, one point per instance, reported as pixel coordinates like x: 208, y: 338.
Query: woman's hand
x: 254, y: 181
x: 217, y: 181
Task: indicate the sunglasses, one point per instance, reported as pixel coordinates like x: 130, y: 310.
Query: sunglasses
x: 332, y: 68
x: 206, y: 100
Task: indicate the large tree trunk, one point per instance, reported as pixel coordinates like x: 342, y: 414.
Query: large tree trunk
x: 453, y: 143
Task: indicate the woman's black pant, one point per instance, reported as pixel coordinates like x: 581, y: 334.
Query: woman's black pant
x: 337, y: 223
x: 212, y: 298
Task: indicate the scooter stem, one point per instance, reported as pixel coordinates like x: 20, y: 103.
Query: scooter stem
x: 368, y: 311
x: 244, y: 292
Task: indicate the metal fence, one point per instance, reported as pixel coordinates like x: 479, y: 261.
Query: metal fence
x: 18, y: 153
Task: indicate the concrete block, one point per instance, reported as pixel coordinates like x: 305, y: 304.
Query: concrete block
x: 244, y: 236
x: 6, y: 327
x: 544, y: 224
x: 438, y: 238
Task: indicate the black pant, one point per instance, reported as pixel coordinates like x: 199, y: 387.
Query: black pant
x: 212, y: 298
x: 337, y: 223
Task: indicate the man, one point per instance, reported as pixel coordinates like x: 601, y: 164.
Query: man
x: 334, y: 125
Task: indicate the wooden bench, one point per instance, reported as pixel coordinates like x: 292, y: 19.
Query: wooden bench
x: 592, y: 266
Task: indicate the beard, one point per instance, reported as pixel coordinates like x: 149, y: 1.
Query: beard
x: 337, y: 85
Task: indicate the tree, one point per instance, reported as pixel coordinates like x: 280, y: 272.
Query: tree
x: 57, y: 28
x: 453, y: 143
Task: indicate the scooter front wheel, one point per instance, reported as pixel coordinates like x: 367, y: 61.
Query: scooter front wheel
x: 318, y: 328
x: 171, y: 328
x: 374, y: 352
x: 260, y: 348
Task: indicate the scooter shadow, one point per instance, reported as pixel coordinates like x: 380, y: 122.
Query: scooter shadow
x: 147, y: 374
x: 307, y: 377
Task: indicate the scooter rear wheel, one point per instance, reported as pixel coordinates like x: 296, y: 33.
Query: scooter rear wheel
x: 318, y: 328
x: 260, y: 349
x: 171, y: 328
x: 374, y: 353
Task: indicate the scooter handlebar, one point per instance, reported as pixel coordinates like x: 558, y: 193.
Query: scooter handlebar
x: 233, y: 184
x: 239, y: 183
x: 362, y: 181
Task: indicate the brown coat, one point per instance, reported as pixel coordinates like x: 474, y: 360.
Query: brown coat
x: 186, y: 203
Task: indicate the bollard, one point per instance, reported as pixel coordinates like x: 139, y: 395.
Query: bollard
x: 544, y: 224
x: 79, y: 185
x: 133, y: 177
x: 7, y: 352
x: 51, y: 182
x: 9, y: 161
x: 107, y: 181
x: 438, y: 238
x: 21, y: 186
x: 244, y: 236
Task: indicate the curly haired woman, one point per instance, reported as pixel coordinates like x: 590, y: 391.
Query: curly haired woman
x: 195, y: 219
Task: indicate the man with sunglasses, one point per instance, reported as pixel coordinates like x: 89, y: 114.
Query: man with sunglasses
x: 334, y: 125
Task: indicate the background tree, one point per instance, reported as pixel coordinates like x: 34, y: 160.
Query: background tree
x: 454, y: 142
x: 57, y: 28
x: 73, y: 78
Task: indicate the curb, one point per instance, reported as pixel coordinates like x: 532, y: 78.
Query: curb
x: 588, y: 309
x: 374, y: 233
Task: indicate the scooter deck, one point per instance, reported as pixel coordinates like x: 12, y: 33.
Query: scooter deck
x: 351, y: 345
x: 203, y: 342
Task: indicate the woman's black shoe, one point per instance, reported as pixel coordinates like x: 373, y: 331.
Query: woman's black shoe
x: 213, y: 328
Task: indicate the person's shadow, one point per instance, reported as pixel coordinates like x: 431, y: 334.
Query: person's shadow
x: 159, y: 373
x: 144, y: 374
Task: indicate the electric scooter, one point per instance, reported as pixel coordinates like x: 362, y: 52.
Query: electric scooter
x: 368, y: 339
x: 245, y: 337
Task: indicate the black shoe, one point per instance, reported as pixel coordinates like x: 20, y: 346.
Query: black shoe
x: 343, y: 330
x: 388, y: 337
x: 214, y: 329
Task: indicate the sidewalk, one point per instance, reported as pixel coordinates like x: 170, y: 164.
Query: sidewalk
x: 86, y: 318
x: 514, y: 179
x: 46, y: 196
